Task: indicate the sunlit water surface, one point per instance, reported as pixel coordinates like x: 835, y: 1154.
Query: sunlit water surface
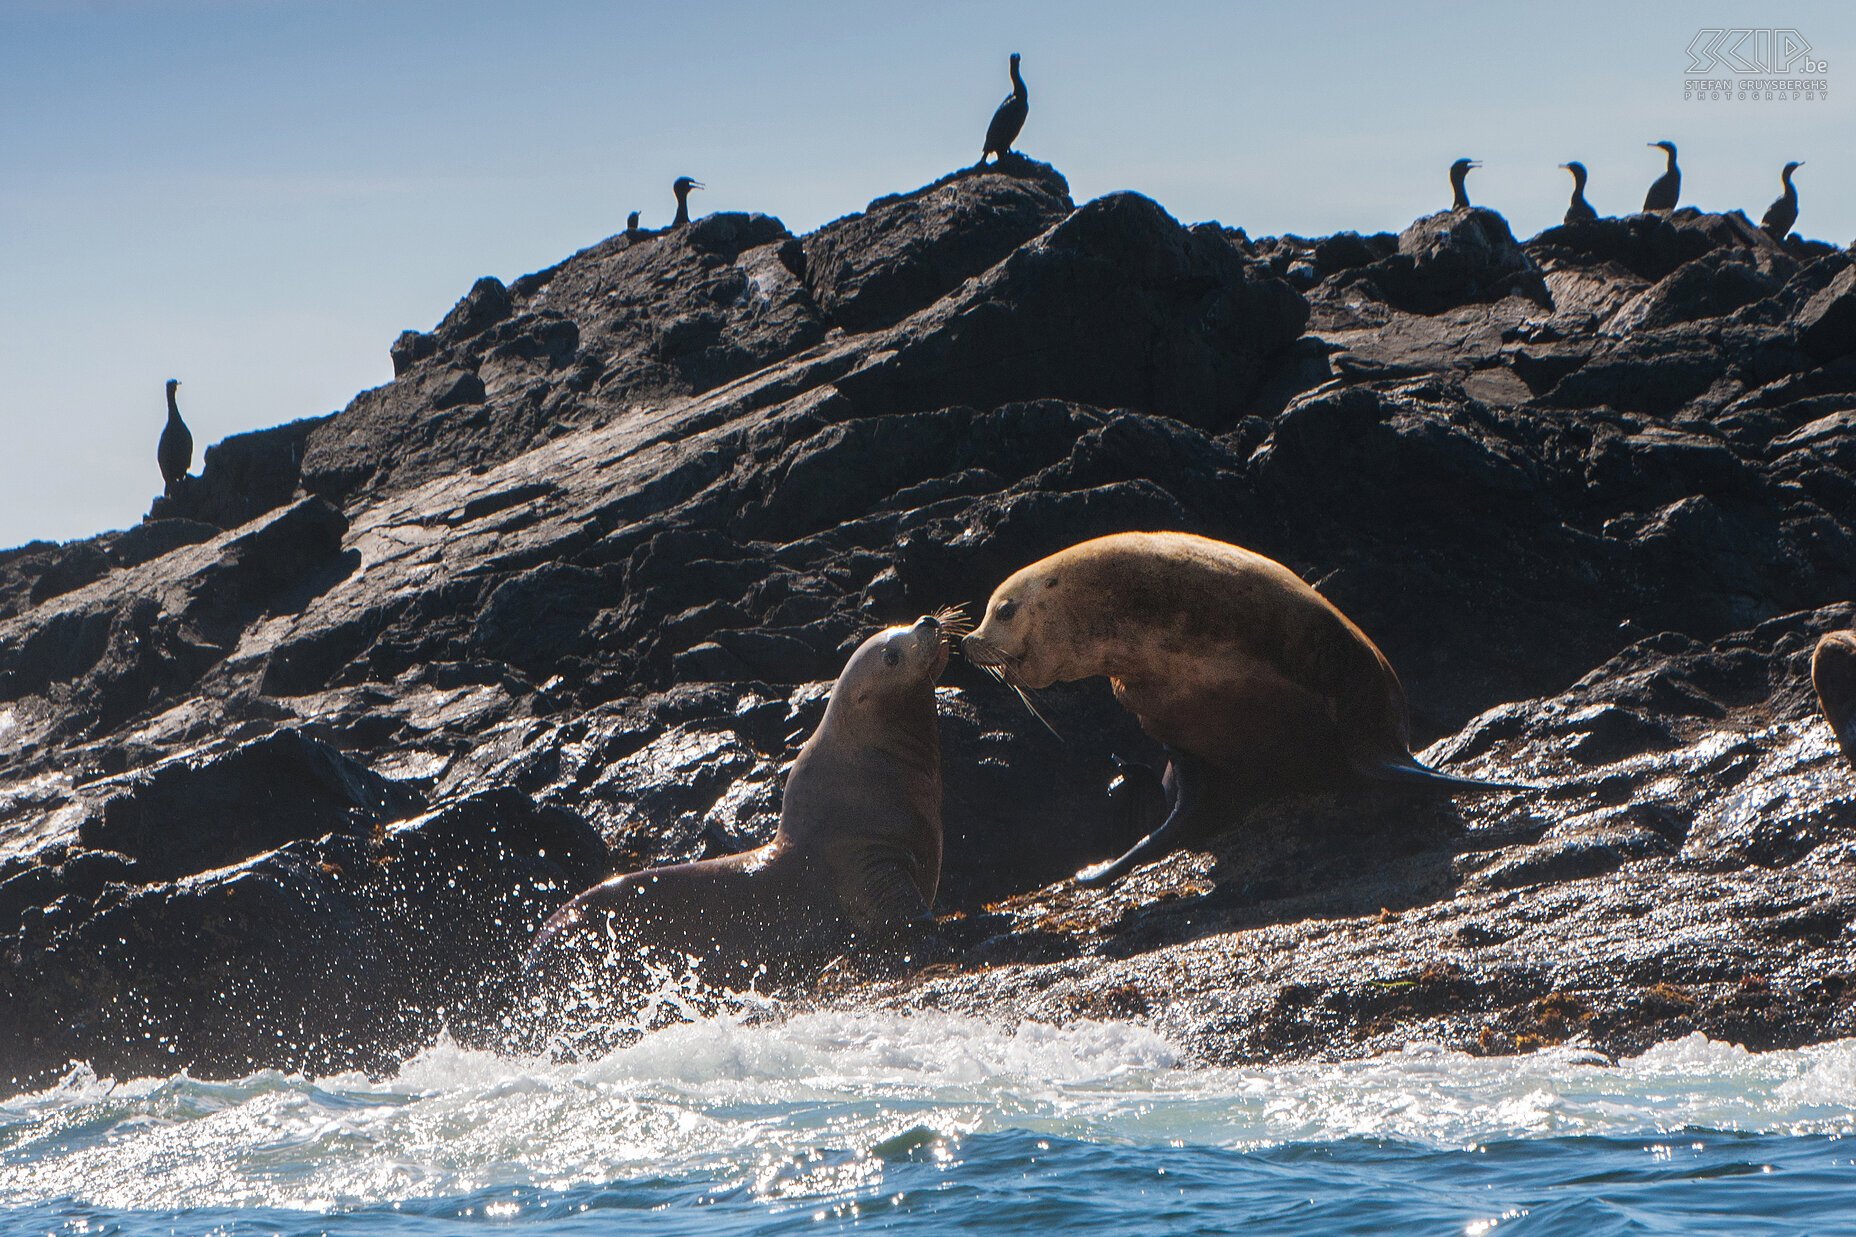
x: 830, y: 1121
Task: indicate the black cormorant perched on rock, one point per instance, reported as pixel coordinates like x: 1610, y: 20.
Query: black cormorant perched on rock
x: 1782, y: 214
x: 1667, y: 190
x: 1578, y: 210
x: 175, y: 451
x: 632, y: 230
x: 1458, y: 172
x: 682, y: 188
x: 1009, y: 119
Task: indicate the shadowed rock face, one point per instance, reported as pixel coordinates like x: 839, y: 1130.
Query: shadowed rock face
x: 296, y: 765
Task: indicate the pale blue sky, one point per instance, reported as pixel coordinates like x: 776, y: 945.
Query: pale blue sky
x: 256, y: 196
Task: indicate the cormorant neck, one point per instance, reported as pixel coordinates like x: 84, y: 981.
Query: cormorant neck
x: 1672, y: 162
x: 1578, y: 181
x: 173, y: 408
x: 1018, y: 83
x: 683, y: 207
x: 1462, y: 196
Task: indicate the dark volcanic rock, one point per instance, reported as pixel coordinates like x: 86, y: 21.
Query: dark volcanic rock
x: 577, y: 344
x: 1650, y: 246
x: 908, y: 250
x: 208, y: 810
x: 1118, y: 305
x: 282, y: 780
x: 243, y: 477
x: 140, y: 637
x: 1827, y: 325
x: 1455, y: 257
x: 353, y: 949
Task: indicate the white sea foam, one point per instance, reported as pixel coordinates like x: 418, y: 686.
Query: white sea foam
x: 753, y: 1104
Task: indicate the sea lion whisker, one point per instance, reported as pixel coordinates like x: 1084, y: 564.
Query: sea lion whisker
x: 953, y: 621
x: 1007, y: 674
x: 1024, y: 694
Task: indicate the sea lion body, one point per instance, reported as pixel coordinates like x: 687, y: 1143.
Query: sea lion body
x: 857, y: 855
x: 1249, y: 677
x: 1833, y: 673
x: 1215, y: 649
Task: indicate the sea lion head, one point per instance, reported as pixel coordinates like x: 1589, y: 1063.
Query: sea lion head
x: 1031, y: 634
x: 898, y: 662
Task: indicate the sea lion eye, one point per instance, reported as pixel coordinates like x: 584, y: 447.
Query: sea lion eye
x: 1006, y: 610
x: 891, y: 657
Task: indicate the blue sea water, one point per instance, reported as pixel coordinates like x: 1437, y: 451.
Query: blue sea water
x: 832, y: 1122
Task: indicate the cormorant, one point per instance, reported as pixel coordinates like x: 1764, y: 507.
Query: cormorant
x: 1458, y: 171
x: 1578, y: 210
x: 632, y: 231
x: 1782, y: 214
x: 175, y: 451
x: 1009, y: 119
x: 682, y: 188
x: 1667, y: 190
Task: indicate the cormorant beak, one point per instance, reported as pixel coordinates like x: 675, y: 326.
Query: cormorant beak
x: 1475, y: 163
x: 697, y: 184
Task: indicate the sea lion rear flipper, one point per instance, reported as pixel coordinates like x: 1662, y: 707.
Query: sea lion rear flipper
x: 1187, y: 781
x: 1410, y: 772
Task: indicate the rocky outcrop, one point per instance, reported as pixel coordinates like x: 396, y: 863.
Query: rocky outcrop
x: 242, y: 477
x: 564, y: 597
x: 907, y: 251
x: 1452, y: 258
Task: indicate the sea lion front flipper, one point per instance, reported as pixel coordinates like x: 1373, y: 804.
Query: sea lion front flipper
x: 900, y: 930
x: 1187, y: 784
x: 890, y: 905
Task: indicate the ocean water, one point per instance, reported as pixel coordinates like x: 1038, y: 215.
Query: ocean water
x: 830, y: 1122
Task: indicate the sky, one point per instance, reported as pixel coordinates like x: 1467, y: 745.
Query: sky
x: 257, y: 196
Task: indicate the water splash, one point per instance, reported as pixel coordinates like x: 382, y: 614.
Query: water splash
x: 823, y: 1106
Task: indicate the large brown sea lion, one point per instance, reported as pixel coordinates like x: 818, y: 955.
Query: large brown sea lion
x: 1248, y: 676
x: 857, y: 855
x: 1833, y: 673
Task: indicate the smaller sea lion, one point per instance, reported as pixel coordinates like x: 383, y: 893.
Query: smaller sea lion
x: 856, y: 857
x: 1249, y: 677
x: 1833, y: 673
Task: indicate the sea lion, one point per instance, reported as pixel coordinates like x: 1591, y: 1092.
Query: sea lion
x: 856, y: 857
x: 1833, y: 673
x: 1248, y: 676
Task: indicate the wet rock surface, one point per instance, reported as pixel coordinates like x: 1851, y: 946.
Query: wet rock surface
x: 289, y: 772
